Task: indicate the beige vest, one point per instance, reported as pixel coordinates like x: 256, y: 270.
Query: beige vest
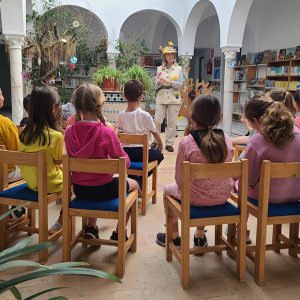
x: 169, y: 96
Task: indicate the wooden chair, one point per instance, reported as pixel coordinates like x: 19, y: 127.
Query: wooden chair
x: 20, y: 195
x: 193, y: 216
x: 142, y: 168
x: 237, y: 151
x: 110, y: 209
x: 273, y: 214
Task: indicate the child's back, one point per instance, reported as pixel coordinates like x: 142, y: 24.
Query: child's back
x: 92, y: 139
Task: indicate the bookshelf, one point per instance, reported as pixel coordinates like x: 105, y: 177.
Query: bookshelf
x: 248, y: 81
x: 283, y: 74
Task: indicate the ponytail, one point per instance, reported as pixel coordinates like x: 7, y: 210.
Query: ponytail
x: 283, y: 96
x: 214, y: 146
x: 206, y: 113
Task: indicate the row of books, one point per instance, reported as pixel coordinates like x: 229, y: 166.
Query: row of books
x: 278, y: 84
x: 240, y: 75
x: 294, y: 85
x: 267, y: 55
x: 257, y: 82
x: 295, y: 71
x: 239, y: 87
x: 278, y: 71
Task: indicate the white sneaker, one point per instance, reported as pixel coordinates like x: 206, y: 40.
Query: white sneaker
x: 55, y: 227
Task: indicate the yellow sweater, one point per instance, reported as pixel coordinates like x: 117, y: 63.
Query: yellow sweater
x: 9, y: 136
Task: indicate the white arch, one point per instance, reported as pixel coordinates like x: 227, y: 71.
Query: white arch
x: 238, y: 22
x: 171, y: 19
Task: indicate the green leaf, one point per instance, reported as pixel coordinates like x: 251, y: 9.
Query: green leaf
x: 45, y: 292
x: 20, y: 245
x: 20, y: 263
x: 7, y: 284
x: 7, y: 213
x: 27, y: 250
x: 68, y: 265
x: 16, y: 293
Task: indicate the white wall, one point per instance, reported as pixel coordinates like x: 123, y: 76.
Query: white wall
x: 272, y: 24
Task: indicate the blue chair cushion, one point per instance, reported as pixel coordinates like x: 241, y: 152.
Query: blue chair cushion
x: 224, y: 210
x: 20, y: 192
x: 280, y: 209
x: 136, y: 165
x: 109, y: 205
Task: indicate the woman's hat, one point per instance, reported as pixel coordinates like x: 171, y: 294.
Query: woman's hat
x: 168, y: 49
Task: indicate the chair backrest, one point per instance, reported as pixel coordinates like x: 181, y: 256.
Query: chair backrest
x: 4, y: 170
x: 34, y: 159
x: 237, y: 151
x: 237, y: 170
x: 111, y: 166
x: 274, y: 170
x: 139, y: 139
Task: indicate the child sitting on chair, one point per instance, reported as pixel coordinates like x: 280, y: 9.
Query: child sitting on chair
x: 91, y: 138
x: 205, y: 144
x: 134, y: 120
x: 41, y: 133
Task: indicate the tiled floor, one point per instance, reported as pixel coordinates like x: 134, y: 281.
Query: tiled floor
x: 150, y: 276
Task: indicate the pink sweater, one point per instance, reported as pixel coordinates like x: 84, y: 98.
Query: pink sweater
x: 204, y: 192
x: 259, y: 149
x: 93, y: 140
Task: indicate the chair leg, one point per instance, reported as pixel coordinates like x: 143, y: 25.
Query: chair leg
x: 67, y: 236
x: 154, y: 185
x: 218, y: 241
x: 276, y: 231
x: 294, y: 234
x: 134, y: 210
x: 260, y: 253
x: 185, y: 255
x: 121, y: 247
x: 84, y: 221
x: 43, y: 230
x: 241, y: 250
x: 32, y: 219
x: 2, y: 229
x: 231, y: 235
x: 144, y: 194
x: 169, y: 224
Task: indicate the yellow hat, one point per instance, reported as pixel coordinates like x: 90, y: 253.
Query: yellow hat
x: 169, y: 48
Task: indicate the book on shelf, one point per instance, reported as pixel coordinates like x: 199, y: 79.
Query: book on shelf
x: 277, y: 84
x: 273, y: 55
x: 259, y: 58
x: 240, y: 75
x: 252, y: 58
x: 297, y: 53
x: 294, y: 85
x: 278, y: 71
x: 295, y: 71
x: 267, y: 56
x: 290, y: 53
x: 257, y: 82
x: 282, y: 54
x: 239, y: 87
x: 251, y: 93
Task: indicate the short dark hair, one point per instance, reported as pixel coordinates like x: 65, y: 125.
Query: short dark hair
x: 133, y: 90
x: 26, y: 102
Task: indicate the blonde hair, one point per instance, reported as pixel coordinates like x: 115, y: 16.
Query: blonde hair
x: 283, y: 96
x: 89, y: 98
x: 276, y: 123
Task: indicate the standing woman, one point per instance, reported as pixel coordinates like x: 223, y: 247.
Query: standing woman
x: 169, y: 77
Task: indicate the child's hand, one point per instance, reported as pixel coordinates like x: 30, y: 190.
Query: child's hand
x: 160, y: 147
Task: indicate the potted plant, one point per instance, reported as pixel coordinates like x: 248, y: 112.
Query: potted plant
x: 137, y: 72
x: 106, y: 77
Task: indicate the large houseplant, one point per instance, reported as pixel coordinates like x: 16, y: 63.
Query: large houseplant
x: 106, y: 77
x: 25, y: 247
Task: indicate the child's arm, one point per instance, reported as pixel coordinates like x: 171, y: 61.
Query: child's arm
x: 179, y: 164
x: 10, y: 137
x: 58, y: 150
x: 240, y: 140
x: 254, y: 167
x: 158, y: 138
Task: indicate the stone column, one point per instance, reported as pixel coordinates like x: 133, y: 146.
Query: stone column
x: 15, y: 56
x: 230, y: 56
x: 184, y: 61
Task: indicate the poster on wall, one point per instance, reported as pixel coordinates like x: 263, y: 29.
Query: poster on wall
x: 217, y: 68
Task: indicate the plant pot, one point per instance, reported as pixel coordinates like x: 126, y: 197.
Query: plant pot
x: 109, y: 84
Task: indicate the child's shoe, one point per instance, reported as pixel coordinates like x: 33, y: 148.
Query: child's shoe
x: 200, y: 242
x: 55, y: 227
x: 91, y: 232
x: 114, y: 236
x: 161, y: 240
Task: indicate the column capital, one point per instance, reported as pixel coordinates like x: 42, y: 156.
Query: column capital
x: 230, y: 51
x: 184, y: 59
x: 14, y: 41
